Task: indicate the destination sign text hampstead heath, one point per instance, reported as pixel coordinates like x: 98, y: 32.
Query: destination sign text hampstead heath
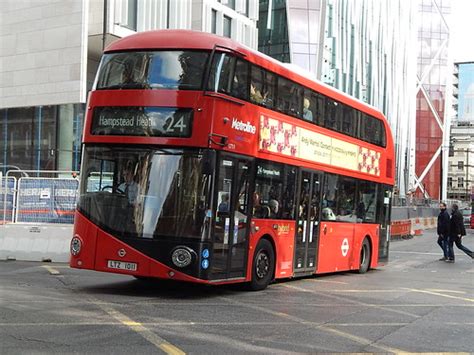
x: 142, y: 121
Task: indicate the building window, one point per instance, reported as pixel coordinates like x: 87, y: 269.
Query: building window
x: 131, y: 17
x: 228, y: 3
x: 214, y: 21
x: 460, y: 165
x: 451, y: 150
x: 227, y: 30
x: 460, y: 182
x: 450, y: 182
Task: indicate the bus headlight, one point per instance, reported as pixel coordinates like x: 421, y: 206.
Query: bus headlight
x: 182, y: 256
x: 76, y: 245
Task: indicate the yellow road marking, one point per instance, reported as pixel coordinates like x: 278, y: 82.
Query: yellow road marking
x: 322, y: 327
x: 146, y: 333
x: 51, y: 270
x: 440, y: 294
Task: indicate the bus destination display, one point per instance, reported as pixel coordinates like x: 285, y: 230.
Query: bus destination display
x: 142, y: 121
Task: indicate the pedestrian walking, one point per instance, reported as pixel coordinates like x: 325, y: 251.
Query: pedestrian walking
x: 443, y: 230
x: 456, y: 232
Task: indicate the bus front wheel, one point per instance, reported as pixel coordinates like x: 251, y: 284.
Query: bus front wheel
x: 365, y: 256
x: 262, y: 266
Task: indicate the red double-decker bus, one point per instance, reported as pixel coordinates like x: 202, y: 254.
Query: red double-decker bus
x: 205, y: 161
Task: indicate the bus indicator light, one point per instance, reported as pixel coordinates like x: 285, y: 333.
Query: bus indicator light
x: 205, y: 264
x: 205, y: 253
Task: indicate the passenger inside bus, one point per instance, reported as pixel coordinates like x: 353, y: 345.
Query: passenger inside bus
x: 129, y: 186
x: 257, y: 207
x: 307, y: 113
x: 360, y: 211
x: 256, y: 95
x: 224, y: 205
x: 273, y: 208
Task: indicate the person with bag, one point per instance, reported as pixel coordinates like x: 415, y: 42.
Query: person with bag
x: 457, y: 231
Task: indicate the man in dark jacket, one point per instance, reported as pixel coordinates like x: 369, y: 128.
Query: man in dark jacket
x: 443, y: 230
x: 456, y: 232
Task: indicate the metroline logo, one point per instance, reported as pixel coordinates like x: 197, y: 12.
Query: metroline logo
x: 242, y: 126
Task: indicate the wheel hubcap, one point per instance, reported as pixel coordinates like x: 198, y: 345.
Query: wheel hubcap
x: 263, y: 265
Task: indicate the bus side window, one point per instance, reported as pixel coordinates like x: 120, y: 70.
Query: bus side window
x: 240, y: 86
x: 320, y: 102
x: 349, y: 120
x: 284, y: 95
x: 289, y: 97
x: 333, y: 112
x: 271, y: 198
x: 345, y: 209
x: 329, y: 198
x: 220, y: 73
x: 367, y: 202
x: 262, y: 87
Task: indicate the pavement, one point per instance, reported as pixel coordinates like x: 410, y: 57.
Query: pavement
x: 413, y: 304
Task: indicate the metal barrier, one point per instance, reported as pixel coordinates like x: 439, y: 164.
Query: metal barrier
x: 37, y: 214
x: 8, y: 198
x: 39, y: 199
x: 400, y: 229
x: 46, y: 200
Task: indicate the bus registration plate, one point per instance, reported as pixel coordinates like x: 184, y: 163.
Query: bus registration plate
x: 121, y: 265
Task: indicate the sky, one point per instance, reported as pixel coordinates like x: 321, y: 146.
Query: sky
x: 462, y: 30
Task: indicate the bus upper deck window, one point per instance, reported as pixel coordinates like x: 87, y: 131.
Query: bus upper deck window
x: 182, y: 70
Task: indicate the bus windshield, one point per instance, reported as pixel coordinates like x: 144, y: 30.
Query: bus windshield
x: 145, y: 193
x: 174, y: 70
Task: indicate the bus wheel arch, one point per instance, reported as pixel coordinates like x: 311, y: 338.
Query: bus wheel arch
x: 263, y: 264
x: 365, y: 256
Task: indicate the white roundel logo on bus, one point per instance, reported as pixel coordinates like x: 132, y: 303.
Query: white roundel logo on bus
x: 345, y: 247
x: 122, y: 253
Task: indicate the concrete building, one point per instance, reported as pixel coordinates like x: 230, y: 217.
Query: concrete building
x: 49, y: 53
x: 364, y: 48
x: 460, y: 184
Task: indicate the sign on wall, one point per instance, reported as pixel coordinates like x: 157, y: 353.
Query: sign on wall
x: 42, y: 200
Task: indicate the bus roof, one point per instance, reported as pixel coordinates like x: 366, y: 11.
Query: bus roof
x: 188, y: 39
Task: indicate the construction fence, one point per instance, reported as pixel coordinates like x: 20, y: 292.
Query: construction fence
x: 412, y: 220
x: 38, y: 199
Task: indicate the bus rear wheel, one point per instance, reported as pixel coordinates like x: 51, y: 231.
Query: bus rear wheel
x: 365, y: 256
x: 263, y: 265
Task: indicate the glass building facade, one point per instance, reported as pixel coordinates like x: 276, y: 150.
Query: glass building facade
x: 364, y: 48
x: 463, y: 93
x: 432, y: 126
x: 41, y: 137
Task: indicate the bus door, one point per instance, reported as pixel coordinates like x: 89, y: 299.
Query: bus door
x: 307, y: 223
x: 229, y: 257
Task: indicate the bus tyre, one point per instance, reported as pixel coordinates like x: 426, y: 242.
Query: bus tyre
x: 365, y: 256
x: 263, y: 265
